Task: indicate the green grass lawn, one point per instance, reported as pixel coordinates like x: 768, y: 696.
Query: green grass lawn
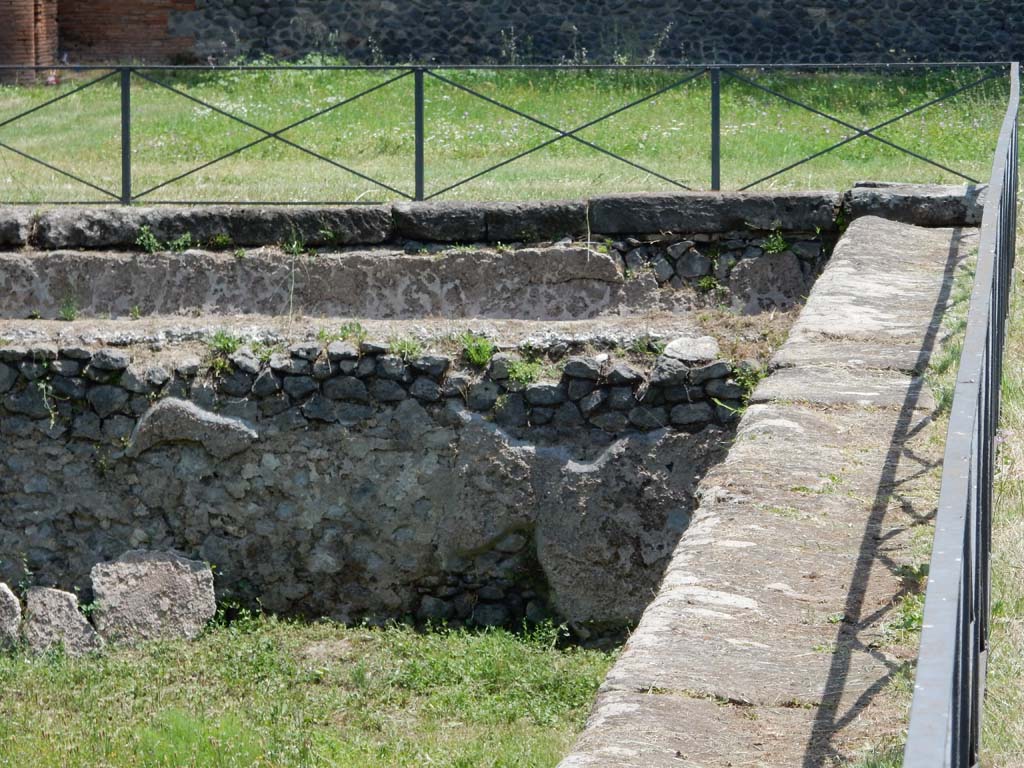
x: 668, y: 134
x: 262, y: 692
x: 1002, y: 741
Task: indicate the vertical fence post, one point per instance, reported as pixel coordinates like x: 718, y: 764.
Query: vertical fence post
x: 716, y: 129
x: 126, y: 136
x: 418, y: 78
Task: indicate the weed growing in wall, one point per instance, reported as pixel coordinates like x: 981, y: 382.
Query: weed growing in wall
x: 774, y: 243
x: 224, y: 344
x: 68, y: 310
x: 182, y: 243
x: 478, y: 350
x: 147, y: 241
x: 522, y: 373
x: 406, y: 348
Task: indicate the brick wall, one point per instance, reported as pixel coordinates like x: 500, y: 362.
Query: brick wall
x: 118, y: 31
x: 28, y: 35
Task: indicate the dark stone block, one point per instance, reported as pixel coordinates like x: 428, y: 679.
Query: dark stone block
x: 299, y: 387
x: 387, y: 391
x: 448, y: 222
x: 347, y: 388
x: 710, y: 212
x: 535, y: 221
x: 106, y: 400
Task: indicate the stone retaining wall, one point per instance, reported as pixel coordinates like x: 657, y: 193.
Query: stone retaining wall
x: 336, y: 479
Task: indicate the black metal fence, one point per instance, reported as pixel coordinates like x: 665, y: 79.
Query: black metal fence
x: 129, y: 194
x: 945, y: 719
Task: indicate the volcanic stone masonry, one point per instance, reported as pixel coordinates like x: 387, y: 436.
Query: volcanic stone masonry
x: 552, y: 31
x: 401, y: 486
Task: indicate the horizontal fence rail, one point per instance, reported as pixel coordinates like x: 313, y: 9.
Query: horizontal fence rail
x: 945, y: 717
x: 717, y: 77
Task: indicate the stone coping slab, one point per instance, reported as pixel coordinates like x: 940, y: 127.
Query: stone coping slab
x: 879, y: 299
x: 766, y: 643
x: 471, y: 222
x: 925, y: 205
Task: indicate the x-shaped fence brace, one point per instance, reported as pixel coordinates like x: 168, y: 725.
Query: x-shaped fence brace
x: 275, y: 135
x: 419, y: 72
x: 43, y: 163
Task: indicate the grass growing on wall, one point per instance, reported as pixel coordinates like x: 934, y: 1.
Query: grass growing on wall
x: 464, y: 135
x: 261, y: 692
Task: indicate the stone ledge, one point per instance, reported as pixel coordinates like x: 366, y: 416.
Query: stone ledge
x: 923, y: 205
x: 117, y: 227
x: 709, y: 212
x: 475, y: 222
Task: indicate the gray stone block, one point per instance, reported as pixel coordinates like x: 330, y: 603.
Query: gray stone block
x: 10, y: 617
x: 15, y: 226
x: 52, y: 620
x: 173, y: 420
x: 151, y: 596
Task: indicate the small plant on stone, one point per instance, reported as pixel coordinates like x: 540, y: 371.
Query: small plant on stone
x: 68, y: 309
x: 135, y: 312
x: 47, y: 394
x: 708, y: 284
x: 223, y: 343
x: 86, y: 609
x: 478, y: 350
x: 221, y: 242
x: 406, y: 348
x: 102, y: 463
x: 28, y: 578
x: 522, y: 373
x: 294, y: 247
x: 263, y: 352
x: 326, y: 235
x: 147, y: 241
x: 501, y: 247
x: 748, y: 377
x: 182, y: 243
x: 646, y: 346
x: 352, y: 331
x: 219, y: 367
x: 774, y: 243
x: 240, y: 253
